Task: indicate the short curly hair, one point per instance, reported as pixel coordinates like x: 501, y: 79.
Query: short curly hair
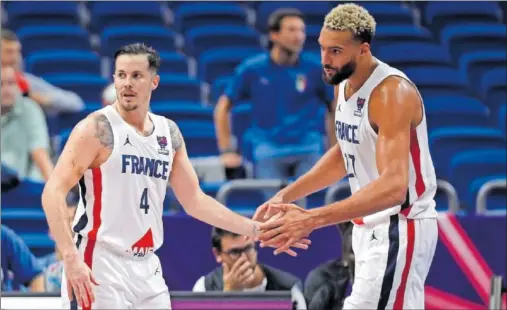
x: 354, y: 18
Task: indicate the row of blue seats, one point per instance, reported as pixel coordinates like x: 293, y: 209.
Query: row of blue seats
x: 189, y: 15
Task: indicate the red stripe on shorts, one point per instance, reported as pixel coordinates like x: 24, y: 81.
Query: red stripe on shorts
x: 400, y: 294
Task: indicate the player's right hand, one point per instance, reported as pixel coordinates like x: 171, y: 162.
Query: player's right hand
x: 265, y: 213
x: 79, y: 281
x: 239, y: 275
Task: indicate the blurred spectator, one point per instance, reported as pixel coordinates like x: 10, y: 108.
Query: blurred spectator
x: 10, y: 178
x: 53, y: 263
x: 326, y: 286
x: 109, y: 95
x: 51, y: 98
x: 287, y: 94
x: 20, y: 268
x: 240, y: 270
x: 24, y: 139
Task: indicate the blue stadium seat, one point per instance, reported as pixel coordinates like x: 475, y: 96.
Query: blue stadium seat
x: 390, y: 34
x: 439, y: 14
x: 200, y: 139
x: 445, y: 143
x: 160, y: 38
x: 188, y: 15
x: 183, y: 112
x: 494, y: 87
x: 389, y: 13
x: 38, y: 13
x: 468, y: 167
x: 476, y: 63
x: 63, y: 62
x: 401, y: 55
x: 451, y: 111
x: 53, y: 38
x: 173, y: 62
x: 215, y: 63
x: 26, y: 195
x: 177, y: 87
x: 245, y: 202
x: 88, y: 87
x: 496, y: 199
x: 67, y: 121
x: 25, y: 220
x: 502, y: 115
x: 110, y: 14
x: 204, y: 38
x: 218, y: 87
x: 438, y: 81
x: 313, y: 11
x: 473, y: 37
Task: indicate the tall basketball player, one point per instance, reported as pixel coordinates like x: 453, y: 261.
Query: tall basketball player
x: 123, y: 156
x: 383, y: 150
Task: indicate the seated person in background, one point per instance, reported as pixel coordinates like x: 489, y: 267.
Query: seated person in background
x: 10, y: 178
x: 20, y: 268
x: 51, y: 98
x: 326, y: 285
x: 25, y: 138
x: 108, y: 95
x: 240, y: 270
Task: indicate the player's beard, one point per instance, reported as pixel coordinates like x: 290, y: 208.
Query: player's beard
x: 341, y: 74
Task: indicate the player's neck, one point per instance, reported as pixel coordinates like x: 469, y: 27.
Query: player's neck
x: 136, y: 118
x: 362, y: 73
x: 281, y: 57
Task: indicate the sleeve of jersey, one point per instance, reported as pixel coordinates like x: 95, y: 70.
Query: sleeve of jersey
x: 237, y: 88
x: 23, y: 264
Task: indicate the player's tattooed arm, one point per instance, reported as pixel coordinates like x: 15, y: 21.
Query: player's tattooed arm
x: 176, y: 137
x: 104, y: 131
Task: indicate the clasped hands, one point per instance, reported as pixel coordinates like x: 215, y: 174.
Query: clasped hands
x: 284, y: 225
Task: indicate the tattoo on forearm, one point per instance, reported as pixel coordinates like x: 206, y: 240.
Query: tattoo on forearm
x: 103, y: 131
x: 176, y: 138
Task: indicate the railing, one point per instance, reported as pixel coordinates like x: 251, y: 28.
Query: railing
x: 444, y: 186
x: 496, y: 292
x: 484, y: 191
x: 252, y: 184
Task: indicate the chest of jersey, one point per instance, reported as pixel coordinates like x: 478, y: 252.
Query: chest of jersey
x: 349, y: 118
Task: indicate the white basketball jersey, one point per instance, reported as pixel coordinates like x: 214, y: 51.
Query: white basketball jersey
x: 357, y: 140
x: 121, y: 202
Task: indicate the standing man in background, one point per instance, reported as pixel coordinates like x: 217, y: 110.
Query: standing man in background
x: 287, y: 93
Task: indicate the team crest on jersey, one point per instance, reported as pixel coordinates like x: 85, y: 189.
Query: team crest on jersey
x: 162, y: 142
x: 360, y: 105
x: 300, y: 83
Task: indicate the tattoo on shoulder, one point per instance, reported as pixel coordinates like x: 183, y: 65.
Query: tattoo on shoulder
x: 104, y: 131
x: 176, y: 137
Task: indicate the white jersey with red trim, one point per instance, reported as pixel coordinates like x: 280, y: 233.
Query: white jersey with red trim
x: 121, y: 202
x: 357, y: 140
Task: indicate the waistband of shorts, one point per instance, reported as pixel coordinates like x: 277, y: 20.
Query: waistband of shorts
x: 124, y: 254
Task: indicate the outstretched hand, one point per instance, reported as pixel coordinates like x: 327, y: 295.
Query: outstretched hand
x: 270, y: 213
x: 290, y: 226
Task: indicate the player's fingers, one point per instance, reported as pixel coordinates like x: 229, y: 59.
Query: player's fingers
x: 285, y: 247
x: 83, y: 293
x: 70, y: 291
x: 272, y: 210
x: 269, y: 234
x: 291, y: 253
x: 300, y: 245
x: 305, y: 241
x: 77, y: 293
x: 89, y: 292
x: 93, y: 280
x: 273, y: 242
x: 260, y: 213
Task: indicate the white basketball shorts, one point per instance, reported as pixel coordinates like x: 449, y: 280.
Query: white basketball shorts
x: 392, y: 261
x: 124, y: 282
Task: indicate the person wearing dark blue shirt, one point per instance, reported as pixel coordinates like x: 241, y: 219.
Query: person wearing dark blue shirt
x: 20, y: 268
x: 288, y: 98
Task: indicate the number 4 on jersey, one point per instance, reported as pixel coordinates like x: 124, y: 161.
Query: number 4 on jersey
x: 144, y: 201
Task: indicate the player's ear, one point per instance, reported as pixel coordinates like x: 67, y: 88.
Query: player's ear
x: 364, y: 49
x: 154, y: 83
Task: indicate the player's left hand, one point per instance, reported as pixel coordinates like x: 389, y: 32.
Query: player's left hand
x: 293, y: 226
